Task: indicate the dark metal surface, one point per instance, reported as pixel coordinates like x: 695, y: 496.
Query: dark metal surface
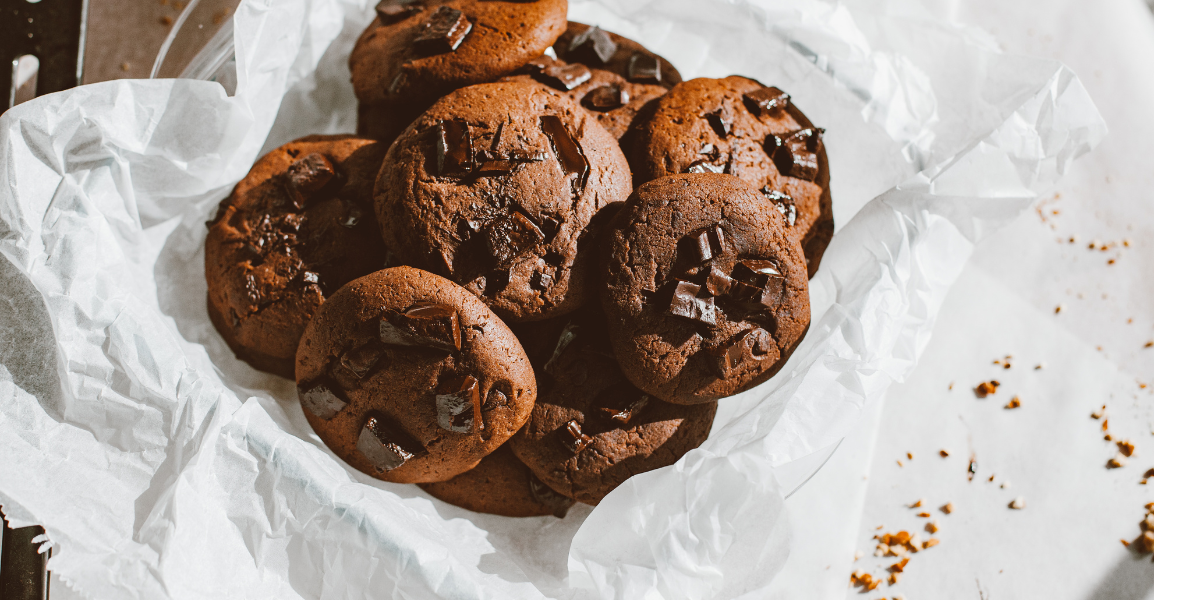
x: 23, y: 574
x: 52, y: 31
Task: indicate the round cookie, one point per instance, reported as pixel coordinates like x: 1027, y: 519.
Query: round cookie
x: 409, y: 378
x: 704, y: 292
x: 603, y: 50
x: 416, y: 51
x: 591, y: 429
x: 294, y: 230
x: 497, y: 187
x: 500, y: 485
x: 737, y: 126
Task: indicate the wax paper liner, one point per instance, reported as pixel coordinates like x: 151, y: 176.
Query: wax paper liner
x: 161, y: 466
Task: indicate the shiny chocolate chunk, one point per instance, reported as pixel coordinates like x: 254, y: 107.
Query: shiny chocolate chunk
x: 539, y: 64
x: 716, y: 282
x: 353, y: 216
x: 606, y: 98
x: 496, y: 398
x: 508, y: 237
x: 795, y: 153
x: 767, y: 101
x: 686, y: 303
x: 592, y: 45
x: 422, y: 324
x: 549, y: 498
x: 628, y: 399
x: 645, y: 68
x: 541, y: 281
x: 361, y: 361
x: 444, y: 31
x: 703, y: 166
x: 502, y: 166
x: 394, y: 11
x: 757, y: 282
x: 321, y: 397
x: 574, y: 438
x: 385, y: 445
x: 783, y: 203
x: 306, y: 177
x: 720, y: 121
x: 567, y: 149
x: 454, y: 156
x: 747, y: 347
x: 566, y: 77
x: 708, y: 243
x: 310, y: 277
x: 457, y: 401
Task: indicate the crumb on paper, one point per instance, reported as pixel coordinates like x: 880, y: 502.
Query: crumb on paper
x: 1014, y: 403
x: 1039, y: 366
x: 1018, y: 503
x: 220, y: 15
x: 1058, y: 309
x: 166, y: 20
x: 1104, y: 425
x: 944, y: 452
x: 1150, y: 344
x: 909, y: 454
x: 929, y: 543
x: 1144, y: 543
x: 987, y: 388
x: 1112, y: 261
x: 858, y: 554
x: 1099, y: 414
x: 1114, y: 463
x: 932, y: 526
x: 972, y: 468
x: 899, y: 567
x: 923, y: 515
x: 124, y: 66
x: 918, y: 504
x: 1071, y: 239
x: 1092, y: 244
x: 947, y: 507
x: 899, y: 463
x: 951, y: 386
x: 1004, y: 485
x: 1125, y: 447
x: 893, y: 578
x: 1125, y: 242
x: 1108, y: 437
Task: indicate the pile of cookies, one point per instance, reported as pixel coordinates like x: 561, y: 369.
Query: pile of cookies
x: 470, y: 293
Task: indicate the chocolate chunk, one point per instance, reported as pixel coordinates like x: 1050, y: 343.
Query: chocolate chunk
x: 394, y: 11
x: 551, y: 499
x: 567, y: 149
x: 502, y: 166
x: 539, y: 64
x: 703, y: 166
x: 362, y: 360
x: 645, y: 68
x: 686, y: 304
x: 625, y: 410
x: 508, y: 237
x: 720, y: 121
x: 795, y: 153
x: 541, y: 281
x: 716, y: 282
x: 749, y: 346
x: 783, y: 203
x: 593, y: 44
x: 606, y: 98
x: 306, y: 177
x: 321, y: 397
x: 457, y: 402
x: 496, y: 398
x: 385, y: 445
x: 574, y: 438
x: 567, y: 77
x: 758, y: 282
x: 422, y: 324
x: 443, y: 32
x: 353, y: 216
x: 770, y: 101
x: 708, y: 243
x: 309, y: 277
x: 710, y: 152
x: 454, y: 156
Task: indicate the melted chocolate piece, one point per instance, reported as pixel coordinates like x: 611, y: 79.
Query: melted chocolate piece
x: 444, y: 31
x: 770, y: 101
x: 749, y: 346
x: 549, y: 498
x: 606, y: 98
x: 708, y: 243
x: 567, y: 77
x: 574, y: 438
x: 593, y: 44
x: 321, y: 397
x: 362, y: 360
x: 496, y: 398
x: 501, y: 166
x: 394, y: 11
x: 567, y: 149
x: 686, y: 303
x: 422, y: 324
x: 783, y: 203
x: 716, y: 282
x: 306, y: 177
x: 703, y: 166
x: 720, y: 121
x: 795, y: 153
x: 645, y: 68
x: 625, y: 409
x: 385, y: 445
x: 458, y: 404
x: 508, y: 237
x: 757, y: 282
x: 454, y: 156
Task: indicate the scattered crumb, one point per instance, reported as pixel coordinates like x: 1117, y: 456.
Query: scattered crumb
x: 166, y: 20
x: 1107, y: 437
x: 220, y: 15
x: 1125, y: 242
x: 1104, y: 425
x: 992, y: 478
x: 1114, y: 463
x: 1004, y: 485
x: 1144, y: 544
x: 1039, y: 367
x: 858, y: 554
x: 972, y: 468
x: 951, y: 386
x: 899, y: 463
x: 929, y: 543
x: 932, y: 526
x: 124, y: 66
x: 1112, y: 261
x: 1130, y: 321
x: 893, y: 578
x: 1099, y: 414
x: 899, y: 567
x: 1147, y: 475
x: 1006, y: 363
x: 1017, y: 504
x: 1125, y: 447
x: 923, y: 515
x: 1014, y: 403
x: 1149, y: 344
x: 1071, y: 239
x: 944, y: 452
x: 986, y: 388
x: 918, y: 504
x: 947, y: 507
x: 909, y: 454
x: 1058, y: 309
x: 1099, y: 348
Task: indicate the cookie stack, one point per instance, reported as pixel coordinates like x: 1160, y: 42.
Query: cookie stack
x: 471, y: 295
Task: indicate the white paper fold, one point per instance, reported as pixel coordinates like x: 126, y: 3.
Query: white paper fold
x: 163, y: 467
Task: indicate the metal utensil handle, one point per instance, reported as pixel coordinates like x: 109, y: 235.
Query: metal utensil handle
x: 51, y: 30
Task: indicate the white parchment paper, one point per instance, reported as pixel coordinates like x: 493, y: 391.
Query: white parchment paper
x: 161, y: 466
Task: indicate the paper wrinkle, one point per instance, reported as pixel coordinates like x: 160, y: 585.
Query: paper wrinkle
x: 163, y: 467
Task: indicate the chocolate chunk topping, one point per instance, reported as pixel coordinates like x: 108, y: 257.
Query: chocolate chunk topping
x: 716, y: 282
x: 686, y: 304
x: 443, y: 32
x: 306, y: 177
x: 593, y: 44
x: 394, y: 11
x: 457, y: 402
x: 362, y: 360
x: 541, y: 281
x: 770, y: 101
x: 496, y: 398
x: 645, y: 68
x: 703, y: 166
x: 567, y: 149
x: 606, y: 98
x: 626, y: 409
x: 574, y: 437
x: 749, y: 346
x: 567, y: 77
x: 502, y: 166
x: 385, y: 445
x: 309, y: 277
x: 454, y: 156
x: 423, y: 324
x: 783, y: 203
x: 757, y: 282
x: 321, y: 397
x: 538, y: 64
x: 795, y: 153
x: 720, y: 121
x: 508, y: 237
x: 551, y: 499
x: 708, y: 243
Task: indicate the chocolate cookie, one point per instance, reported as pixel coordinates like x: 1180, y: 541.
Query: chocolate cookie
x: 294, y: 230
x: 704, y: 292
x: 603, y: 50
x: 417, y: 51
x: 496, y: 187
x: 737, y: 126
x: 591, y: 429
x: 500, y: 485
x: 409, y: 378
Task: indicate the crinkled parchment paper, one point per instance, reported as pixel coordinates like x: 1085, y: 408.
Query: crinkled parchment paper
x: 161, y: 466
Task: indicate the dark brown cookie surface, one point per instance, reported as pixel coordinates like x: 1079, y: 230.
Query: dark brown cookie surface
x: 294, y: 230
x: 409, y: 378
x: 603, y: 50
x: 738, y: 126
x: 591, y: 429
x: 500, y: 485
x: 704, y: 292
x: 496, y: 187
x: 419, y: 50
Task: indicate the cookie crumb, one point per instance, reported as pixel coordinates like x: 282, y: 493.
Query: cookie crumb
x: 1114, y: 463
x: 947, y: 507
x: 923, y: 515
x: 1004, y: 485
x: 929, y: 543
x: 1125, y: 447
x: 1017, y: 504
x: 1014, y: 403
x: 124, y: 66
x: 1039, y: 366
x: 909, y: 454
x: 944, y: 453
x: 987, y: 388
x: 951, y: 386
x: 220, y: 15
x: 1099, y: 414
x: 1149, y: 344
x: 918, y: 504
x: 1058, y: 309
x: 932, y: 526
x: 166, y: 20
